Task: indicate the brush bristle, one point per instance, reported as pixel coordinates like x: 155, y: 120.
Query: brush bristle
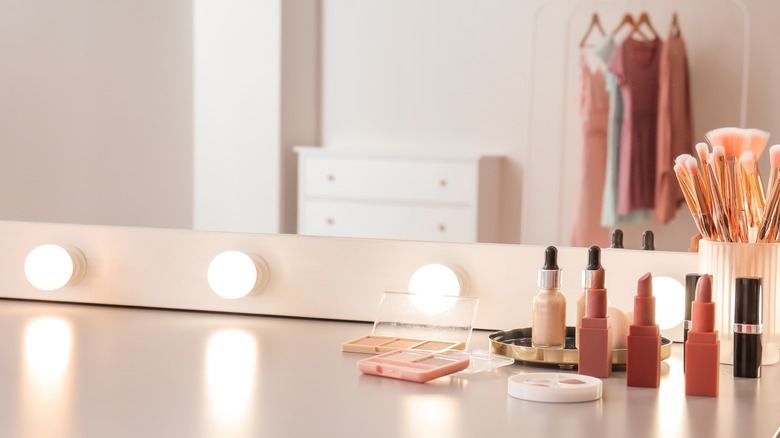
x: 692, y: 166
x: 718, y: 151
x: 774, y: 155
x: 748, y: 160
x: 732, y: 139
x: 703, y: 151
x: 757, y: 140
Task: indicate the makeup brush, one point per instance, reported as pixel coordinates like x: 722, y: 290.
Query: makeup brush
x: 717, y: 179
x: 756, y: 142
x: 703, y: 151
x: 769, y: 221
x: 731, y: 139
x: 754, y: 190
x: 702, y: 214
x: 774, y: 166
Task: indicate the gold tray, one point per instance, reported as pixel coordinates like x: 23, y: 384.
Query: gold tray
x: 516, y: 344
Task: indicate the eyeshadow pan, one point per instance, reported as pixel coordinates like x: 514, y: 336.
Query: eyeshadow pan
x: 371, y: 340
x: 436, y: 361
x: 402, y: 343
x: 434, y: 345
x: 403, y: 356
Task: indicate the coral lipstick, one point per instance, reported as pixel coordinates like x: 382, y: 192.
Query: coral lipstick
x: 702, y: 349
x: 595, y: 350
x: 643, y: 365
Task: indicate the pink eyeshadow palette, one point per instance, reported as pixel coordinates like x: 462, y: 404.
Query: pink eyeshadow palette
x: 373, y: 344
x: 413, y: 365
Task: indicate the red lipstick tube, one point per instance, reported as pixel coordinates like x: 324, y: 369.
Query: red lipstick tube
x: 702, y: 349
x: 643, y: 365
x: 595, y: 350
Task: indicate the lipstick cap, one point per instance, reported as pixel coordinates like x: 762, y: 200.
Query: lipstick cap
x: 747, y: 301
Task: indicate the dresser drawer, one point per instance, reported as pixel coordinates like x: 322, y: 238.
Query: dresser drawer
x: 387, y: 221
x: 390, y: 179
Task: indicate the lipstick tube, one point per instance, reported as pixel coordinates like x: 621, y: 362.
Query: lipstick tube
x: 595, y: 350
x: 690, y: 296
x: 747, y: 327
x: 702, y: 349
x: 643, y: 364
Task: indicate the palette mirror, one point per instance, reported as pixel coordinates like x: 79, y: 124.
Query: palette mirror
x: 184, y: 114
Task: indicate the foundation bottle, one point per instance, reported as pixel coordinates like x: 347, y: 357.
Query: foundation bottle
x: 549, y: 313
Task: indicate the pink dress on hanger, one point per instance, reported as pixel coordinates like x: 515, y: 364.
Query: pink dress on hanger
x: 675, y: 125
x: 589, y: 191
x: 635, y: 65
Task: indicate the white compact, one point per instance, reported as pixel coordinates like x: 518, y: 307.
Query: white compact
x: 555, y: 387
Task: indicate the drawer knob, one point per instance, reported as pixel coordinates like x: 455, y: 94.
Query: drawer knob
x: 331, y: 177
x: 442, y: 227
x: 329, y: 221
x: 443, y: 182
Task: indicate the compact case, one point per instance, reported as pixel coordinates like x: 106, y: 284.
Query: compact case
x: 555, y: 387
x: 418, y: 322
x: 413, y: 365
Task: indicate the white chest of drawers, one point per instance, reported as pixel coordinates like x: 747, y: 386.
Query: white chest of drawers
x: 391, y: 196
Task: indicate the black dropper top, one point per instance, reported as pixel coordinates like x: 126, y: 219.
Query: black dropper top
x: 617, y: 239
x: 550, y: 259
x: 648, y: 241
x: 594, y: 258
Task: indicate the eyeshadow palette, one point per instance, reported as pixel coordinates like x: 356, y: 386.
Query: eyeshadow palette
x: 555, y: 387
x: 413, y: 365
x: 373, y: 344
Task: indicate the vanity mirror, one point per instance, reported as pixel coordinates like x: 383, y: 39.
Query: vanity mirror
x: 184, y: 114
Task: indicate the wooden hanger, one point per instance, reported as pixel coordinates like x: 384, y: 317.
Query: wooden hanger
x: 644, y: 19
x: 675, y: 25
x: 628, y: 19
x: 594, y: 22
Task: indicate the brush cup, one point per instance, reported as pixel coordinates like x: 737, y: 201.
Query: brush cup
x: 727, y: 261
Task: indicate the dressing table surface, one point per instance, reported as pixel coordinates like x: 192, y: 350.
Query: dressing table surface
x: 70, y: 370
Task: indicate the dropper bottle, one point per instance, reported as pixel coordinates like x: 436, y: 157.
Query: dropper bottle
x: 549, y: 313
x: 594, y: 263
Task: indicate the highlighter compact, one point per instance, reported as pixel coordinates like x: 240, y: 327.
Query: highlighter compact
x: 555, y: 387
x: 413, y: 365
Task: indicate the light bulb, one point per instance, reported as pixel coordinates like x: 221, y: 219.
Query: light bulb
x: 50, y: 267
x: 430, y: 284
x: 669, y: 302
x: 234, y: 274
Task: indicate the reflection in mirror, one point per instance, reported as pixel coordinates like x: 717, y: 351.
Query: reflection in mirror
x: 184, y: 114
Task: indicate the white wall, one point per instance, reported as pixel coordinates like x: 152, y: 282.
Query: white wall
x: 237, y: 80
x: 95, y: 102
x: 495, y: 77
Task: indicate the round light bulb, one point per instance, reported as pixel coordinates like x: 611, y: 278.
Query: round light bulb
x: 434, y: 285
x: 669, y: 302
x: 234, y: 274
x: 50, y: 267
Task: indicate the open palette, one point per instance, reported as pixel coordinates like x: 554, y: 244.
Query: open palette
x: 413, y: 365
x: 408, y: 321
x: 373, y: 344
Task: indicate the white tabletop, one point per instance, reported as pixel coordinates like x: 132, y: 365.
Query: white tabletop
x: 88, y: 371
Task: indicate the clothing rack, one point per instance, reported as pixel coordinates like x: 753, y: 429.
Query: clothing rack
x: 579, y: 10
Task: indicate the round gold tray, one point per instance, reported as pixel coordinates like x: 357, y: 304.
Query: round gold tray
x: 516, y: 344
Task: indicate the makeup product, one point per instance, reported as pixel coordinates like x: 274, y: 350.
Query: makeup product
x: 690, y: 295
x: 747, y: 327
x: 412, y: 365
x: 405, y: 320
x: 554, y: 387
x: 717, y: 178
x: 644, y: 339
x: 648, y: 241
x: 595, y: 350
x: 372, y: 344
x: 774, y: 166
x: 766, y: 230
x: 549, y: 311
x: 702, y: 200
x: 754, y: 190
x: 702, y: 348
x: 691, y: 200
x: 703, y: 151
x: 594, y: 263
x: 617, y: 239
